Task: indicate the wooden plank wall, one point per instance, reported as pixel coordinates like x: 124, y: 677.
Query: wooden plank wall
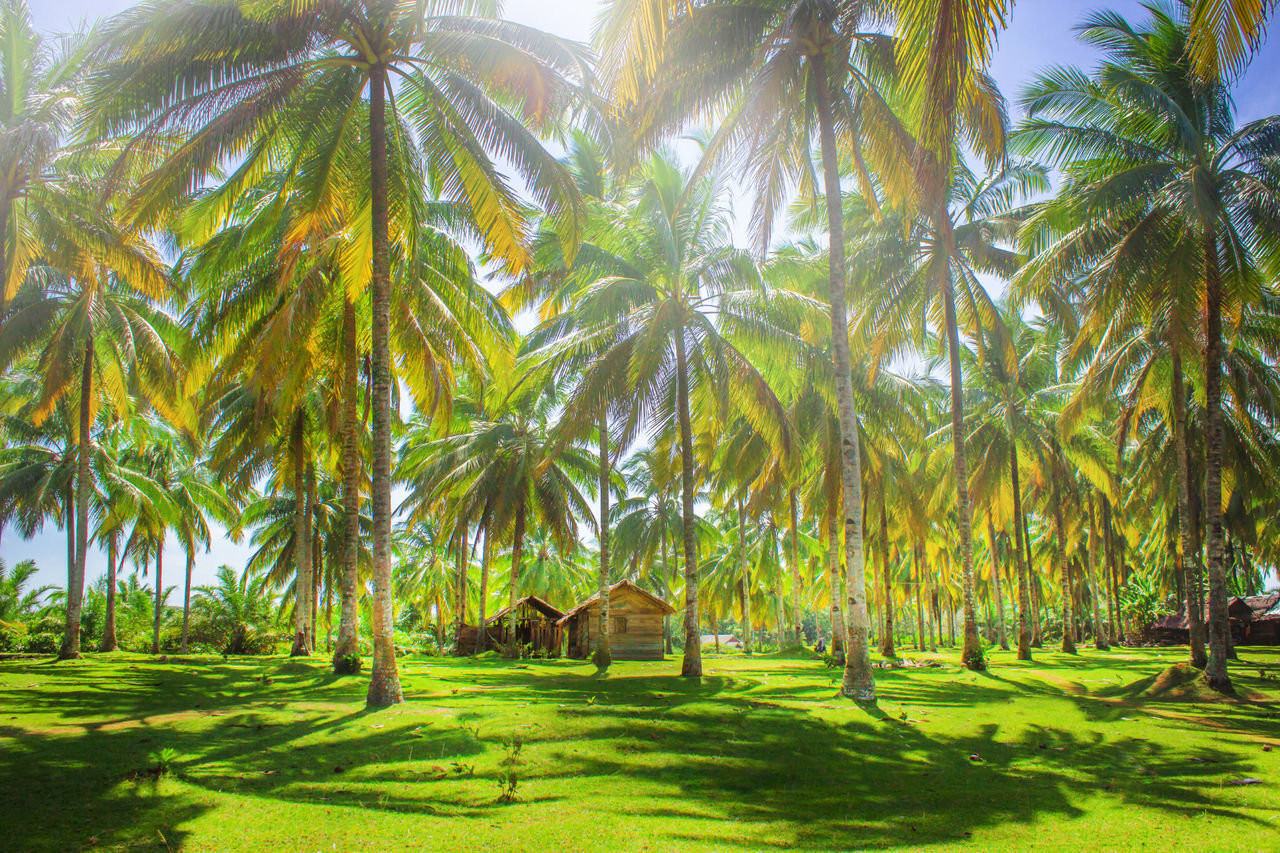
x: 643, y: 637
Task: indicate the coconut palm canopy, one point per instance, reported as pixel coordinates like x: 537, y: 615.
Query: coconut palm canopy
x: 439, y: 311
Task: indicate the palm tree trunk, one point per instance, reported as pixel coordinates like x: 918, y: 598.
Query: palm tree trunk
x: 513, y: 588
x: 919, y: 585
x: 460, y: 604
x: 1185, y: 556
x: 186, y: 594
x: 666, y: 581
x: 1095, y: 591
x: 744, y: 589
x: 482, y: 638
x: 384, y: 681
x: 886, y: 642
x: 1021, y: 562
x: 838, y: 637
x: 995, y: 576
x: 159, y: 594
x: 1215, y: 673
x: 602, y: 656
x: 1059, y: 547
x: 1113, y: 579
x: 301, y: 541
x: 859, y: 682
x: 75, y: 578
x: 691, y: 667
x: 345, y: 660
x: 109, y: 642
x: 796, y: 609
x: 971, y: 657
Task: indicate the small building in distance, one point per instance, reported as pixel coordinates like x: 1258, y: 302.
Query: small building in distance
x: 635, y: 624
x: 1253, y: 621
x: 535, y: 626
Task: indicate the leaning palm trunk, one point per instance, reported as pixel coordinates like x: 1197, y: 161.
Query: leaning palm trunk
x: 971, y: 656
x: 75, y: 578
x: 920, y: 626
x: 666, y: 586
x: 886, y: 642
x: 691, y: 667
x: 460, y: 603
x: 1099, y: 627
x: 1215, y: 673
x: 109, y: 642
x: 348, y: 645
x: 1185, y: 555
x: 384, y: 681
x: 995, y: 577
x: 859, y: 682
x: 602, y: 656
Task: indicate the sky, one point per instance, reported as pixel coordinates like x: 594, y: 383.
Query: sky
x: 1039, y: 35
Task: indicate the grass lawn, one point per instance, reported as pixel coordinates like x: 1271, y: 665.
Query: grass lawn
x: 1094, y: 752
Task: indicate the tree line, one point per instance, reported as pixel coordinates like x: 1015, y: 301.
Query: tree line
x: 406, y: 287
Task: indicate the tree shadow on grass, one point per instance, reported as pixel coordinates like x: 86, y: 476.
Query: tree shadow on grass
x: 739, y: 760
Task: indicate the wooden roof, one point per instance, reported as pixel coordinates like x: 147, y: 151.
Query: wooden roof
x: 624, y: 585
x: 533, y: 601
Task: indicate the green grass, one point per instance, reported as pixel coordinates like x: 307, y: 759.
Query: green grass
x: 1099, y: 751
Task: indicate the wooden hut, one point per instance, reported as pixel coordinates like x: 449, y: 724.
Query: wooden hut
x: 535, y: 626
x: 635, y: 624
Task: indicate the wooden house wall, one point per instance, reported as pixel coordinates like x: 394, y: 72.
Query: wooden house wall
x: 642, y: 638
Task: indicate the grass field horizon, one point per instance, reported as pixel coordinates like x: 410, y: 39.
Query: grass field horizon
x: 1104, y: 750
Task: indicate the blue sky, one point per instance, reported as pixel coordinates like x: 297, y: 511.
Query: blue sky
x: 1039, y: 35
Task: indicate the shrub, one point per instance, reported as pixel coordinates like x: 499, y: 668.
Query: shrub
x: 347, y: 665
x: 13, y: 635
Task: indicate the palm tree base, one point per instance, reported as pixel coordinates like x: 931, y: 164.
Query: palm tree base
x: 973, y: 660
x: 861, y: 689
x: 69, y: 655
x: 691, y: 667
x: 602, y: 658
x: 1220, y: 683
x: 1068, y: 647
x: 1102, y: 646
x: 383, y: 692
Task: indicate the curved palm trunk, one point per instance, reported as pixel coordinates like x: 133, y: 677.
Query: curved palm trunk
x: 886, y: 642
x: 1113, y: 577
x: 796, y: 609
x: 75, y: 577
x: 602, y: 657
x: 1183, y: 557
x: 384, y: 680
x: 1215, y: 672
x: 1020, y: 548
x: 1096, y: 591
x: 301, y: 543
x: 109, y: 642
x: 995, y: 576
x: 186, y: 594
x: 859, y: 682
x: 744, y: 580
x: 1059, y: 549
x: 159, y: 594
x: 691, y: 667
x: 348, y: 647
x: 971, y: 656
x: 517, y: 552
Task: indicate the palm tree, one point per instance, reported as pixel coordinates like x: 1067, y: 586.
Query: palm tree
x: 518, y: 471
x: 662, y: 302
x: 1181, y: 189
x: 16, y: 601
x: 312, y: 65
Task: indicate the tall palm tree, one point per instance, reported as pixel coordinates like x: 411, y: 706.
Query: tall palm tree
x: 661, y: 306
x: 1160, y: 171
x: 174, y: 66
